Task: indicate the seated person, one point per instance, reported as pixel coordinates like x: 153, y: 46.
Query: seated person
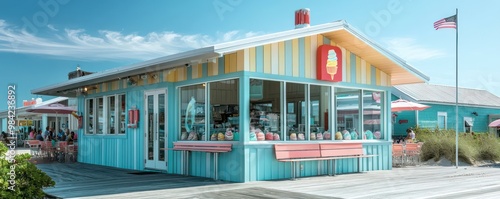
x: 39, y: 136
x: 69, y: 138
x: 32, y: 135
x: 60, y: 135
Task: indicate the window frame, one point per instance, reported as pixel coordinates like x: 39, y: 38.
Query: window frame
x: 445, y: 115
x: 106, y: 115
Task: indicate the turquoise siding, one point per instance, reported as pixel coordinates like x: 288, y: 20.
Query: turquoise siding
x: 262, y: 164
x: 428, y: 118
x: 248, y: 161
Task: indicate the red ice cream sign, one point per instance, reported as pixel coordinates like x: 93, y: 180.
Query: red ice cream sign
x: 329, y: 63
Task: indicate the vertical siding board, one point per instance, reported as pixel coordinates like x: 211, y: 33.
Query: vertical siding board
x: 233, y: 62
x: 274, y: 59
x: 353, y: 67
x: 252, y: 59
x: 288, y: 58
x: 267, y: 58
x: 259, y: 59
x: 281, y: 58
x: 301, y: 57
x: 246, y: 59
x: 307, y: 58
x: 240, y: 60
x: 295, y: 57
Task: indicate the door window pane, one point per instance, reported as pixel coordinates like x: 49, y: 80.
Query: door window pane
x: 151, y: 126
x: 161, y: 127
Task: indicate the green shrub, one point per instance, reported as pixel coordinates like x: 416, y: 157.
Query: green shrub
x: 29, y: 180
x: 471, y: 148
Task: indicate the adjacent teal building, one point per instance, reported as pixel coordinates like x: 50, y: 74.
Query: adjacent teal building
x: 295, y: 86
x: 476, y: 108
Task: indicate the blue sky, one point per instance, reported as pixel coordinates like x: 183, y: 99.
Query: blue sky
x: 41, y: 41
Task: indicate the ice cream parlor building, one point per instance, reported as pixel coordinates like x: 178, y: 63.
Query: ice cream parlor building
x: 326, y: 83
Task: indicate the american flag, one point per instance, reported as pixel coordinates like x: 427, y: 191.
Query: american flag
x: 448, y: 22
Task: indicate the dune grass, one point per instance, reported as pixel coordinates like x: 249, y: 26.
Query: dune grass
x: 471, y: 147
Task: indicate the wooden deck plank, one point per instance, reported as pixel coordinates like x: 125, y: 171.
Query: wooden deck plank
x: 91, y: 181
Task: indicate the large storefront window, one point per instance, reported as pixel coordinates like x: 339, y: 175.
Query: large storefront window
x: 318, y: 114
x: 351, y: 124
x: 297, y: 122
x: 348, y: 106
x: 224, y: 117
x: 192, y: 110
x: 372, y: 114
x: 108, y: 112
x: 265, y: 110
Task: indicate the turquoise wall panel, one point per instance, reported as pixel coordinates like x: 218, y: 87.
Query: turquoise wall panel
x: 262, y: 164
x: 428, y: 118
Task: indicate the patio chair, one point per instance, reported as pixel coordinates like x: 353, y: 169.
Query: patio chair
x: 412, y: 151
x: 61, y: 150
x: 71, y: 153
x: 47, y: 150
x: 34, y: 147
x: 398, y: 155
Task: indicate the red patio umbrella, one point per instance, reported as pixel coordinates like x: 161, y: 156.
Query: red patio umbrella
x: 55, y: 108
x: 404, y: 105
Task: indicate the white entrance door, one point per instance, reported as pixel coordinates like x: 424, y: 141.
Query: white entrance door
x: 154, y: 128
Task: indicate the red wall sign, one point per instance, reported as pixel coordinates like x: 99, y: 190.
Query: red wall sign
x: 329, y: 63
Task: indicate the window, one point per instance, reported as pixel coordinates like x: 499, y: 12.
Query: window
x: 468, y: 123
x: 372, y: 114
x: 100, y: 115
x: 353, y: 124
x: 319, y: 97
x: 347, y: 109
x: 442, y: 120
x: 296, y: 94
x: 192, y: 110
x: 109, y: 115
x: 224, y: 100
x: 121, y: 114
x: 89, y: 127
x: 265, y: 111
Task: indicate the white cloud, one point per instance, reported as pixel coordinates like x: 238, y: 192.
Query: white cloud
x: 410, y: 50
x: 107, y: 44
x: 50, y: 26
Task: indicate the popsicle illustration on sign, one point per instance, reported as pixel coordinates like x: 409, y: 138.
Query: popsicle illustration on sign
x: 329, y: 63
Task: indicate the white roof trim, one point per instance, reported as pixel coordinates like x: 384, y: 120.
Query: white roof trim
x: 205, y: 53
x: 162, y: 63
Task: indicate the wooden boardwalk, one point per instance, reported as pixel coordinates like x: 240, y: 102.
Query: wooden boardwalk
x: 90, y: 181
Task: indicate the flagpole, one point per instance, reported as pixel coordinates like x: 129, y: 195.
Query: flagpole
x: 456, y: 93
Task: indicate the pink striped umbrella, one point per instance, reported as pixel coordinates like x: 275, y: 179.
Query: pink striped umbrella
x: 405, y: 105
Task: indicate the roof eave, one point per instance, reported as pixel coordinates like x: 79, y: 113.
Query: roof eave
x: 396, y: 59
x: 279, y: 36
x: 162, y: 63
